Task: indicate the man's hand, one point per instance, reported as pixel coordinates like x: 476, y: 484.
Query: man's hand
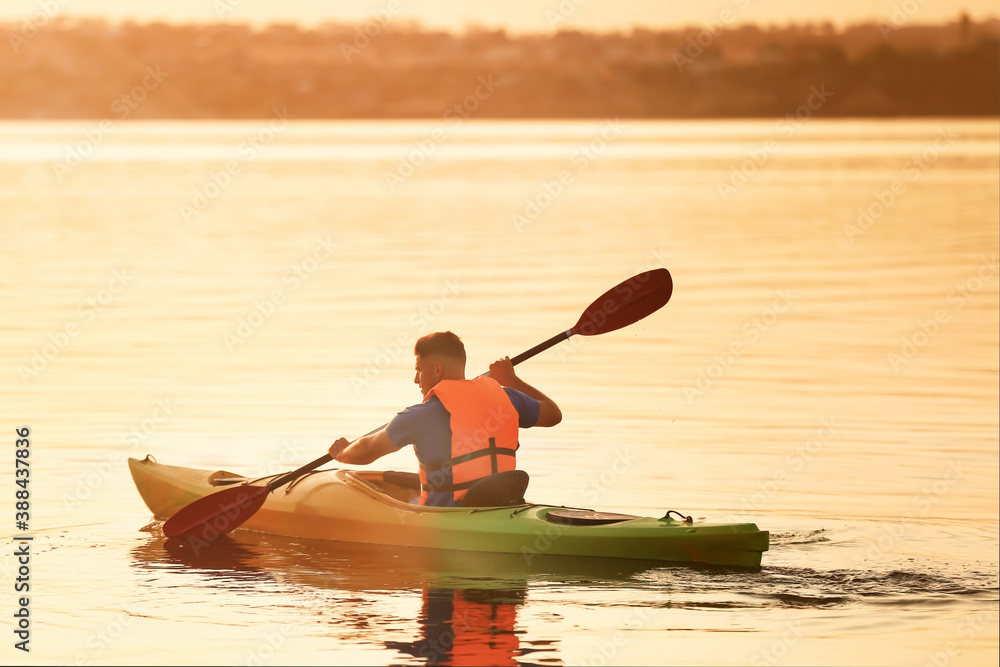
x: 364, y: 450
x: 339, y: 446
x: 502, y: 371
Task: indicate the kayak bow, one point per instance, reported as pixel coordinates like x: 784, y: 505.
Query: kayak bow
x: 374, y: 508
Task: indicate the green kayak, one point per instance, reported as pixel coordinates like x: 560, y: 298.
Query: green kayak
x: 376, y: 508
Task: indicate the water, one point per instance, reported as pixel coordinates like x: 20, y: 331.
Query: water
x: 238, y: 295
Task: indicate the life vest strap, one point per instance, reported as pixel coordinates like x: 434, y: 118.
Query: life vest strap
x: 428, y: 486
x: 448, y: 463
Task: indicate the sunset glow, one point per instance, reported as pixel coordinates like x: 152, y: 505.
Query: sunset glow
x: 514, y: 15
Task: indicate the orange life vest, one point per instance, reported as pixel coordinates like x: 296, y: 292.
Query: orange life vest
x: 483, y: 435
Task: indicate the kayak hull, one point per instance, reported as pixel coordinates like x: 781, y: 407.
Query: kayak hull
x: 360, y: 506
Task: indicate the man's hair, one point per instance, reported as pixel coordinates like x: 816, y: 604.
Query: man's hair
x: 444, y: 343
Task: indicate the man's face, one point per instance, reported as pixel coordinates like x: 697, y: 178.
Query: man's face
x: 429, y: 371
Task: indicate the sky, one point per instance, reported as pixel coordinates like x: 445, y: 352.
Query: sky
x: 513, y: 15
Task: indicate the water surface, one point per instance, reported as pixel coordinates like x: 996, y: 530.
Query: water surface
x: 827, y: 368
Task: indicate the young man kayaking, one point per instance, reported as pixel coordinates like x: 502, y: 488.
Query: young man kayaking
x: 464, y: 430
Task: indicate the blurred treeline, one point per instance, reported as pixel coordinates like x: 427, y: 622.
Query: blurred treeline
x: 81, y: 69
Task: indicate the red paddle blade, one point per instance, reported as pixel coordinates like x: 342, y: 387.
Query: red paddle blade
x: 626, y: 303
x: 216, y: 514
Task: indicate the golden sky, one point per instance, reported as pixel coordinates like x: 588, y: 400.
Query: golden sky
x: 514, y: 15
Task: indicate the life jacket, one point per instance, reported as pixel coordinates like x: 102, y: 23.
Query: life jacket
x: 484, y: 427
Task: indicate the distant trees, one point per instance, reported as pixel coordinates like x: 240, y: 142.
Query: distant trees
x: 78, y: 69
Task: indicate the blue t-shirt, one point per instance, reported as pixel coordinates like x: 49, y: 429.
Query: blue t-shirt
x: 427, y: 426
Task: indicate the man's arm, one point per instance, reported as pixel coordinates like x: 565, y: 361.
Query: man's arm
x: 502, y: 371
x: 364, y: 450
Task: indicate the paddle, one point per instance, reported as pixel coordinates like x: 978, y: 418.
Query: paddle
x: 622, y: 305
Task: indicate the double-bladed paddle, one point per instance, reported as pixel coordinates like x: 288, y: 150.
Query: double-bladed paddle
x: 622, y: 305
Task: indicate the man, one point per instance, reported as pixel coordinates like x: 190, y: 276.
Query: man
x: 464, y: 430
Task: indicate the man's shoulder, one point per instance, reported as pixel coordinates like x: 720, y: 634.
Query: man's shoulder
x: 517, y: 396
x: 418, y: 423
x: 429, y: 408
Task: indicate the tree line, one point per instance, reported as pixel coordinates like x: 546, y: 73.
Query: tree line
x: 61, y: 69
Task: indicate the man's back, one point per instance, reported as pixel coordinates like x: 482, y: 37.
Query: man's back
x: 448, y: 445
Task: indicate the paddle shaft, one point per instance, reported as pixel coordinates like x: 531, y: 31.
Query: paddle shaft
x: 326, y: 458
x: 541, y: 347
x: 309, y: 467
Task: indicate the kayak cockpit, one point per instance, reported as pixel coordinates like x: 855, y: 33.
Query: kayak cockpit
x: 505, y: 489
x: 403, y: 487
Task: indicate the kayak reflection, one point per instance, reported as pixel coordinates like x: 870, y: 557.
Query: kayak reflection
x: 469, y: 602
x: 354, y: 566
x: 466, y: 627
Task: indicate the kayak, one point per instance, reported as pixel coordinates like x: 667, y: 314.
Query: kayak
x: 372, y: 507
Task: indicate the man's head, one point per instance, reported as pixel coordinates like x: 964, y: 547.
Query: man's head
x: 439, y: 356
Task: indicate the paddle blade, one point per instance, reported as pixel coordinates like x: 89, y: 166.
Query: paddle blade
x: 626, y: 303
x: 216, y: 514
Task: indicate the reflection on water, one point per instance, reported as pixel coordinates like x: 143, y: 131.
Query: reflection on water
x: 467, y: 627
x: 439, y: 607
x: 469, y: 602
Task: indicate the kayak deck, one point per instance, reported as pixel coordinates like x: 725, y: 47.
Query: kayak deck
x: 375, y: 508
